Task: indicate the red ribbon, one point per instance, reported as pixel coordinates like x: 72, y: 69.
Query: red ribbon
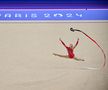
x: 104, y: 63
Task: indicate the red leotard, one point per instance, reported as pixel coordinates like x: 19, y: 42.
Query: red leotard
x: 70, y: 52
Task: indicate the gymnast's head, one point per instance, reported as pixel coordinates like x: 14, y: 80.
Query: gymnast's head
x: 71, y: 46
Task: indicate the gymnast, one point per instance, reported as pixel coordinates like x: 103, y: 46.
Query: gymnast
x: 70, y: 50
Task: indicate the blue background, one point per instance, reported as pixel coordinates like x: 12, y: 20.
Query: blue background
x: 55, y: 1
x: 54, y: 4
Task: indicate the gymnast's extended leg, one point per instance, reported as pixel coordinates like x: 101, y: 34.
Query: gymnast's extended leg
x: 77, y: 59
x: 64, y: 56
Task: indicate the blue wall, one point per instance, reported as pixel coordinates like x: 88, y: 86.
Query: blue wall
x: 57, y: 1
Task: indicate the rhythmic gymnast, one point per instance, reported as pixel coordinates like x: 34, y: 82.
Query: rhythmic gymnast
x: 70, y: 50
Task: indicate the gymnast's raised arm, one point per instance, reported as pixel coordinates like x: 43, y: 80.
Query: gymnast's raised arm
x: 62, y: 42
x: 76, y: 43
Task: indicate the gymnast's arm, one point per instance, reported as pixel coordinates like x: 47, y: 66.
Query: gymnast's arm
x: 76, y: 43
x: 63, y: 43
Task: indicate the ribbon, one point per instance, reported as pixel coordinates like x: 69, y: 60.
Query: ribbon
x: 104, y: 63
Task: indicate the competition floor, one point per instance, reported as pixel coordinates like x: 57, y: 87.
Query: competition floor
x: 27, y: 61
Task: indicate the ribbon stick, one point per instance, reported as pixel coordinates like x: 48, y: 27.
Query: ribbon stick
x: 104, y: 63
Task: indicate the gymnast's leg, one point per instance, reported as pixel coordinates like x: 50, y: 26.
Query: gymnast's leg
x: 64, y: 56
x: 77, y: 59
